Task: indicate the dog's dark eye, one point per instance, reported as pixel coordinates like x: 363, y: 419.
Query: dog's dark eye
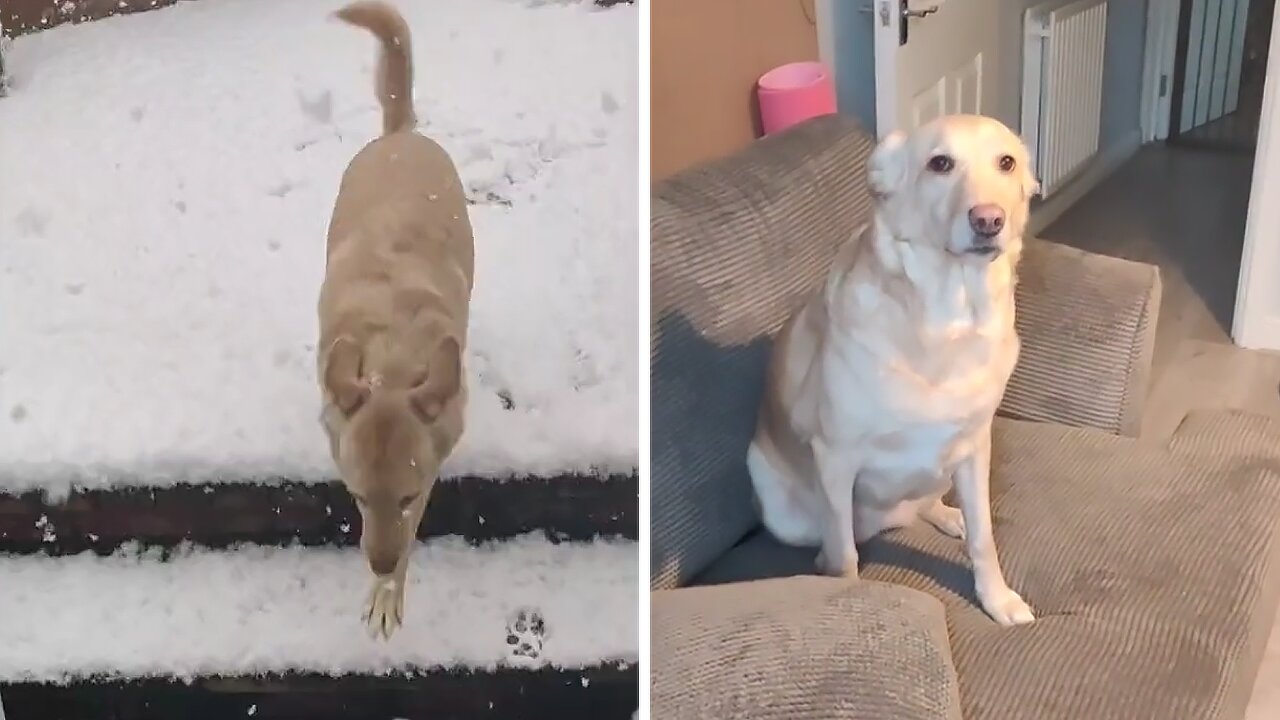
x: 941, y: 164
x: 407, y: 501
x: 1007, y: 163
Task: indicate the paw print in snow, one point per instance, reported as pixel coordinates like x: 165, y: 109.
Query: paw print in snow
x: 508, y: 403
x: 525, y: 633
x: 318, y: 108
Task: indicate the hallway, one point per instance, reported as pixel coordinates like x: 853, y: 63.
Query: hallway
x: 1184, y: 211
x: 1238, y: 131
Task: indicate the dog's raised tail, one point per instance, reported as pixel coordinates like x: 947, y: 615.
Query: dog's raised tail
x: 395, y: 68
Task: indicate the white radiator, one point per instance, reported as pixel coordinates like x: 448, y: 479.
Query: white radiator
x: 1062, y: 87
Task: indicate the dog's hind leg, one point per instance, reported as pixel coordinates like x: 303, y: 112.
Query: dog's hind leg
x: 948, y: 520
x: 787, y: 510
x: 870, y: 520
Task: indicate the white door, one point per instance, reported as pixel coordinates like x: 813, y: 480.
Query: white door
x: 1257, y: 317
x: 942, y: 67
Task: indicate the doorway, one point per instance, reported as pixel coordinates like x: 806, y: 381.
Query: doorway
x: 1219, y: 72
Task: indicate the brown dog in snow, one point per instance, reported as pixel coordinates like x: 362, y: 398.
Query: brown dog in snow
x: 393, y: 321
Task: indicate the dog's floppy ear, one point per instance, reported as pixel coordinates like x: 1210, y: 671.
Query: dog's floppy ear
x: 887, y: 168
x: 342, y: 366
x: 1030, y: 185
x: 443, y: 380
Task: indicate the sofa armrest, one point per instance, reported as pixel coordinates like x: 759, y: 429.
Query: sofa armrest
x: 801, y: 648
x: 1088, y: 328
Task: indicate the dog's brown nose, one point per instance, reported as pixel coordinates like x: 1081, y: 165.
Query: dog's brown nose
x: 987, y: 219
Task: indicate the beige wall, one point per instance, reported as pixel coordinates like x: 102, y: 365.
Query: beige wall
x: 706, y: 57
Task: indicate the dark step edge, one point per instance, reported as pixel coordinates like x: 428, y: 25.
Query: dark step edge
x: 26, y: 16
x: 604, y: 692
x: 574, y: 508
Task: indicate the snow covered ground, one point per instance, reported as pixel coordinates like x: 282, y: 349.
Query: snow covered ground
x: 166, y: 185
x: 261, y: 610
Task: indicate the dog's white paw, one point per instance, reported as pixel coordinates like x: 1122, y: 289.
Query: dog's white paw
x: 1006, y: 607
x: 384, y: 611
x: 845, y: 566
x: 948, y: 520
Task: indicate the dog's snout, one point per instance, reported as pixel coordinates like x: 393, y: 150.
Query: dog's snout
x: 382, y: 563
x: 986, y: 219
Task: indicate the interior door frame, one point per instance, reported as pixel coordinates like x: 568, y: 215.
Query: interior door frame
x: 1256, y: 321
x: 824, y: 21
x: 887, y: 23
x: 1160, y: 68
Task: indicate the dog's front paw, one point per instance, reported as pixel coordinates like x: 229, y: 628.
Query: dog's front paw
x: 384, y: 611
x: 840, y: 565
x: 1005, y: 606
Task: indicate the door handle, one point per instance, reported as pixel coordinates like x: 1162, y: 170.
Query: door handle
x: 922, y: 12
x: 907, y: 14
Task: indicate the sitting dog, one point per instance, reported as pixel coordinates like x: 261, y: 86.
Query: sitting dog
x: 393, y: 321
x: 882, y: 388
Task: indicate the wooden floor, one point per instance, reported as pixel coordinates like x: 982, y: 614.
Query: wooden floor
x: 1184, y: 210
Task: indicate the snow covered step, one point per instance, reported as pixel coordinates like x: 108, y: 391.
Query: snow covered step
x: 258, y: 610
x: 569, y: 507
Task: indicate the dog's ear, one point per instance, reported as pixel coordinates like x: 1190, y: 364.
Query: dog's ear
x: 443, y: 380
x: 342, y: 366
x: 1030, y: 185
x: 887, y: 168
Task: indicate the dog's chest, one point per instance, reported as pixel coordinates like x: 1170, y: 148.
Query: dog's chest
x: 924, y: 449
x: 913, y: 460
x: 912, y: 421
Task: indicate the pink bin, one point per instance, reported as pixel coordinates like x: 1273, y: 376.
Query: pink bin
x: 793, y: 93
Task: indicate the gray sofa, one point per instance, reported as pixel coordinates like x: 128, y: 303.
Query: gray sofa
x: 1151, y: 566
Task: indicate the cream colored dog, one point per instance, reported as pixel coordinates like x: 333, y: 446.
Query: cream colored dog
x: 882, y: 389
x: 393, y: 321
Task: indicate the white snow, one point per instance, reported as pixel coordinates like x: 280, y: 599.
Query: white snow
x: 166, y: 182
x: 259, y: 610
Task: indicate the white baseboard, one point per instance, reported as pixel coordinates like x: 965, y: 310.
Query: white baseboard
x: 1257, y: 334
x: 1099, y: 169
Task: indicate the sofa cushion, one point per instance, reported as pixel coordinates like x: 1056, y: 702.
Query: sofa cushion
x: 735, y: 246
x: 805, y: 648
x: 1152, y: 572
